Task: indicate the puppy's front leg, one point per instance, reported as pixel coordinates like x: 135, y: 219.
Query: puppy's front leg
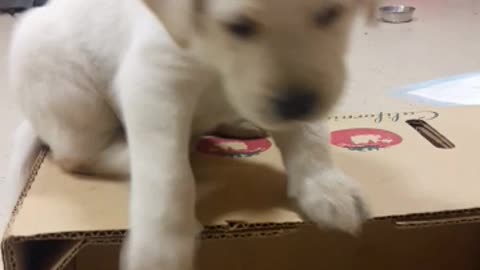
x: 158, y: 108
x: 326, y: 195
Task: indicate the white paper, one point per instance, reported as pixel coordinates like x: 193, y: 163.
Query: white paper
x: 462, y: 91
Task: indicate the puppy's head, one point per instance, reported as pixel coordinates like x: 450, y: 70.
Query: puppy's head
x: 281, y: 61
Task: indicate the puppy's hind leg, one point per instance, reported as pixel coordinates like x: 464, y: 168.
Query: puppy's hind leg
x: 80, y: 128
x: 110, y: 160
x: 62, y: 89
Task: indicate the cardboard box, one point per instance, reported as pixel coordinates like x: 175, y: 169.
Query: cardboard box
x: 424, y: 191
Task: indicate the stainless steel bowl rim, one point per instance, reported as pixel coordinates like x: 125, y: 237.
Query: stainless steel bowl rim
x: 397, y: 9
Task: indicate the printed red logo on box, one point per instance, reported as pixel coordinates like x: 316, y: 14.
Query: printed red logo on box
x: 364, y: 139
x: 233, y: 147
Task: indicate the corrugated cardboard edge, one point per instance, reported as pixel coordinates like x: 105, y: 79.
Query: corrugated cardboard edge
x: 432, y: 219
x: 8, y: 253
x: 232, y: 230
x: 69, y: 255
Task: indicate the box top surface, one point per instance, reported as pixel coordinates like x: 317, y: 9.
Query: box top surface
x: 400, y: 171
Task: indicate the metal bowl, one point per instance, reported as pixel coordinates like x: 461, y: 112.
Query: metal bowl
x: 397, y: 14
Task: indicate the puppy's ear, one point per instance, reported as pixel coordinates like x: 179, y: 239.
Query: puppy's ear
x: 369, y: 7
x: 177, y: 17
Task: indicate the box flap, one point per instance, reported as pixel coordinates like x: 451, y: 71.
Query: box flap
x: 414, y: 176
x: 409, y: 177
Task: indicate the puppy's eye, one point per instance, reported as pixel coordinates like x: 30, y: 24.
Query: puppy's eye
x: 329, y: 15
x: 243, y: 28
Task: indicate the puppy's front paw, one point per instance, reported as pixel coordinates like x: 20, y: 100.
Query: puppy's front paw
x: 331, y: 199
x: 157, y: 253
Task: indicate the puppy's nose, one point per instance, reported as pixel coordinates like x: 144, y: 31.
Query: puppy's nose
x: 295, y: 104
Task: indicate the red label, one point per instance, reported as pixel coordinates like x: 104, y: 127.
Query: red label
x: 232, y: 147
x: 364, y: 139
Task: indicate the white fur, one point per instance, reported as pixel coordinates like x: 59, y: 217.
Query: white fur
x: 25, y: 149
x: 85, y: 71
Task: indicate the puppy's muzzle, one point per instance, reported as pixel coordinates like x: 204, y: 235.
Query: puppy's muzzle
x: 295, y: 103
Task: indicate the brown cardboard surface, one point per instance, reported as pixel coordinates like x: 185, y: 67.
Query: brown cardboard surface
x: 425, y: 201
x: 416, y: 177
x: 381, y: 247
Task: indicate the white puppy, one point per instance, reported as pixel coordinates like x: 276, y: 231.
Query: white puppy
x: 163, y: 71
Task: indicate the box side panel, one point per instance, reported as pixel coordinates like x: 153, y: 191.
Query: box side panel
x: 96, y: 257
x: 40, y: 255
x: 382, y: 246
